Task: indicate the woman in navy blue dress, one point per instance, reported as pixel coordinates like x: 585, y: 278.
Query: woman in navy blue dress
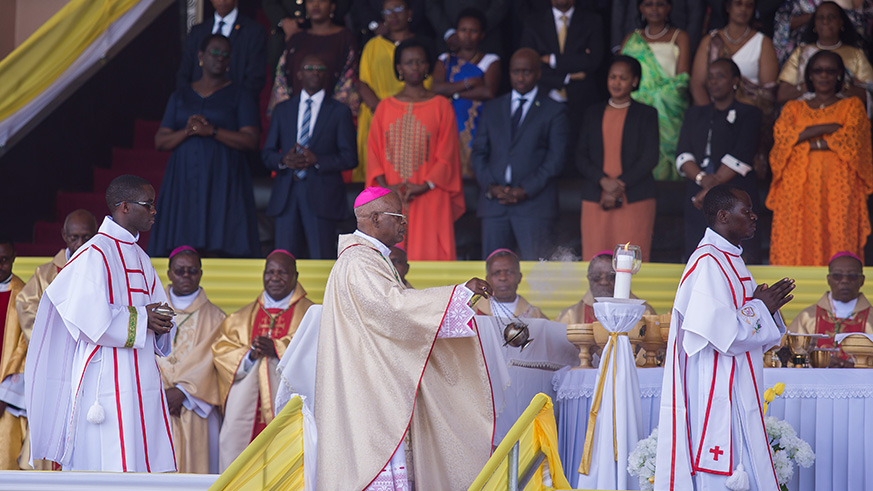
x: 206, y: 198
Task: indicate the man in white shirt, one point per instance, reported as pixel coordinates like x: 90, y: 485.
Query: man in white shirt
x: 310, y: 143
x: 247, y: 38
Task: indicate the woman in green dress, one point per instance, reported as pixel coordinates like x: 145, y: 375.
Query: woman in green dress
x: 665, y: 56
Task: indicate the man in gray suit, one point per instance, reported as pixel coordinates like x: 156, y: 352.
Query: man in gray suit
x: 519, y: 150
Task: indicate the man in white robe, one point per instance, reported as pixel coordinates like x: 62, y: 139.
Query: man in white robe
x: 384, y: 349
x: 711, y: 425
x: 92, y: 386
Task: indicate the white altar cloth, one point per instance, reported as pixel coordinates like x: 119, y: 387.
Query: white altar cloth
x: 832, y: 409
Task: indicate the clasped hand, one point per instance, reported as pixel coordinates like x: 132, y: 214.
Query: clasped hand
x: 506, y: 195
x: 775, y: 296
x: 612, y: 191
x: 299, y: 158
x: 198, y: 125
x: 263, y: 346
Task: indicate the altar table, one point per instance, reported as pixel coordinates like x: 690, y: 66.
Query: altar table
x: 832, y: 409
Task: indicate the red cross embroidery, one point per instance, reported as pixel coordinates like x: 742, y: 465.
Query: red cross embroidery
x: 716, y: 452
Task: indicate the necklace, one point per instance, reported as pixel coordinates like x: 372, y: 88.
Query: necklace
x: 656, y: 36
x: 273, y: 318
x: 828, y: 48
x: 617, y: 105
x: 732, y: 40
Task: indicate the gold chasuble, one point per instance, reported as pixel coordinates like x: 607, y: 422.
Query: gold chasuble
x: 821, y: 319
x: 378, y: 359
x: 247, y: 397
x: 28, y: 300
x: 190, y: 366
x: 14, y: 348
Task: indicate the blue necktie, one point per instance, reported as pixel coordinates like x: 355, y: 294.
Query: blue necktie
x: 220, y: 28
x: 516, y: 116
x: 303, y: 138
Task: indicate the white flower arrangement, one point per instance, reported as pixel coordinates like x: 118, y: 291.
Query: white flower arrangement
x: 786, y: 448
x: 641, y: 462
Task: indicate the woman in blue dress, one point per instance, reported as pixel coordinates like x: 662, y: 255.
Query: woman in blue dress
x: 469, y: 77
x: 206, y: 198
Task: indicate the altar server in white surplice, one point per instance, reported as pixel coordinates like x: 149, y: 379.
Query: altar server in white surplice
x: 711, y: 429
x: 92, y: 386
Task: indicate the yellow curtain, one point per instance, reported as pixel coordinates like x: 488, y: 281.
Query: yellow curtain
x: 535, y: 430
x: 44, y: 56
x: 274, y: 460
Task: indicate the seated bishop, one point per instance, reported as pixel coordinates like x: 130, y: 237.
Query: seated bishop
x: 503, y: 273
x: 601, y: 283
x: 79, y: 226
x: 246, y: 354
x: 842, y: 309
x: 12, y: 423
x: 190, y: 380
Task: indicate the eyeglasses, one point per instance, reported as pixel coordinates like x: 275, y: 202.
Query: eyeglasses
x: 401, y: 215
x: 396, y: 10
x: 314, y: 68
x: 188, y: 271
x: 824, y: 71
x: 602, y: 276
x: 148, y: 204
x: 217, y: 52
x: 838, y: 277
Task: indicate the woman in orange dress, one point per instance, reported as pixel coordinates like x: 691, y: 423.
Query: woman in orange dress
x: 821, y: 171
x: 413, y: 148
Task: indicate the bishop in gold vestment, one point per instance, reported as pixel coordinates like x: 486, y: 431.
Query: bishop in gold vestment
x: 246, y: 354
x: 384, y: 349
x: 13, y: 425
x: 188, y: 374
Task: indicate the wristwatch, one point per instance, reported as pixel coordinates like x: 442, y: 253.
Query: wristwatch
x: 699, y: 178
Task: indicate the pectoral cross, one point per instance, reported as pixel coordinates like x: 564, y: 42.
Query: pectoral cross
x: 716, y: 452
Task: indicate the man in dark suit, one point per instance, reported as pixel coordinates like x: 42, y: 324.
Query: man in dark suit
x: 310, y: 142
x: 248, y: 48
x: 570, y: 44
x: 518, y: 151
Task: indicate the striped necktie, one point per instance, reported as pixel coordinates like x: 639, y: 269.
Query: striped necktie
x: 304, y: 138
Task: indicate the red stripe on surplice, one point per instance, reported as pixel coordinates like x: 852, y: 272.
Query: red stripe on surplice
x: 145, y: 440
x: 118, y: 410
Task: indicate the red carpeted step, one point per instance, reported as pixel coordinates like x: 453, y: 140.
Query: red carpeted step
x: 36, y: 250
x: 48, y: 232
x: 93, y: 202
x: 138, y: 160
x: 144, y: 133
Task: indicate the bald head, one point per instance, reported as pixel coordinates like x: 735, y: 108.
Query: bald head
x: 524, y: 70
x: 79, y: 226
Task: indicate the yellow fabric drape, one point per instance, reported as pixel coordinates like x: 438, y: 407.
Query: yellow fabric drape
x: 274, y: 460
x: 585, y: 465
x: 535, y: 430
x: 49, y: 51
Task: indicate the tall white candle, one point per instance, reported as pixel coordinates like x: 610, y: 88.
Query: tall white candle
x: 624, y: 264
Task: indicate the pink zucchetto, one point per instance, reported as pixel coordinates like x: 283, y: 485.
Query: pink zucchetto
x: 181, y: 249
x: 500, y: 251
x: 282, y: 251
x: 369, y: 194
x: 844, y: 254
x: 604, y: 252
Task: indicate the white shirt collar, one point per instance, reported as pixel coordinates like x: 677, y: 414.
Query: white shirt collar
x: 714, y: 238
x: 6, y: 285
x: 557, y: 13
x: 385, y: 250
x: 282, y: 304
x: 531, y: 95
x: 317, y: 98
x: 507, y: 306
x: 182, y: 302
x: 843, y: 310
x: 68, y: 254
x: 112, y: 229
x: 229, y: 21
